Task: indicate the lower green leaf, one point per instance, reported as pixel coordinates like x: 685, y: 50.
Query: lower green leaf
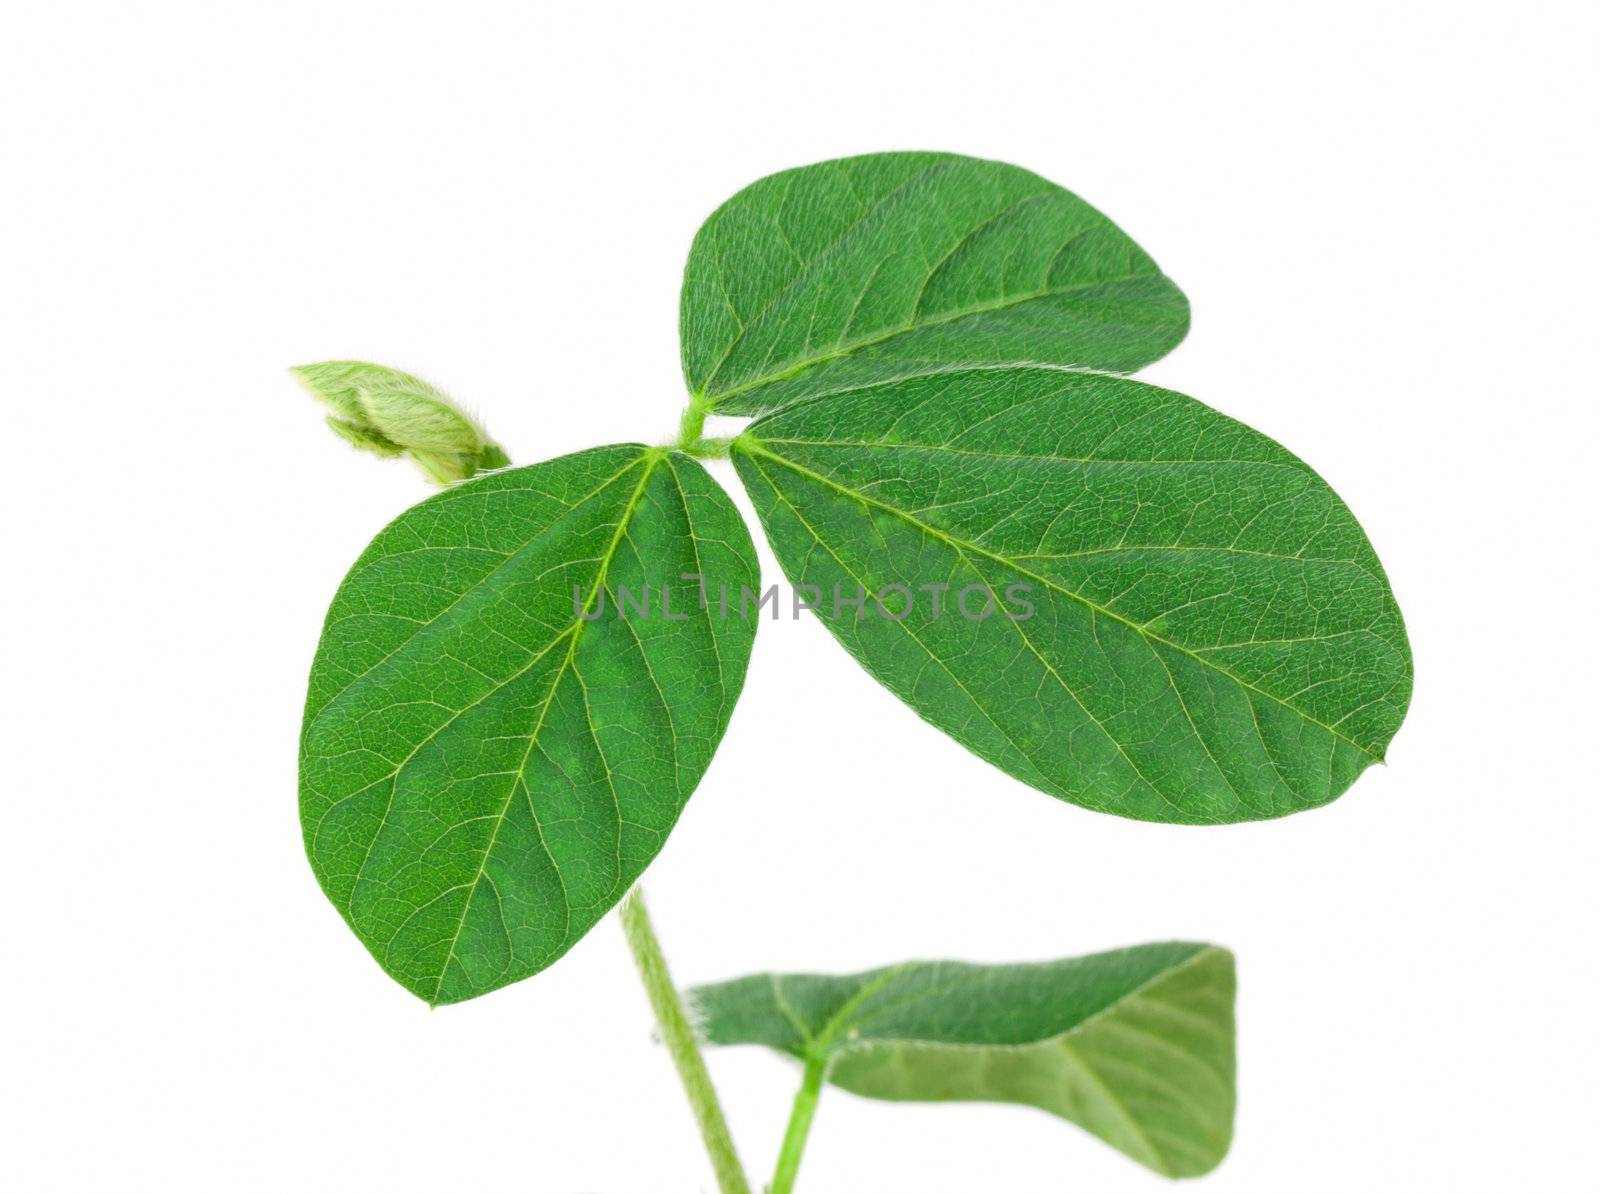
x: 491, y: 755
x: 1135, y: 1045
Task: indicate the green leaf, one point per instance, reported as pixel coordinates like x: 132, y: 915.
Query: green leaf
x: 483, y: 772
x: 1135, y: 1045
x: 871, y: 268
x: 1212, y: 638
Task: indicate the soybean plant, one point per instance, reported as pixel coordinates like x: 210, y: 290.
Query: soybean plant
x: 1109, y: 590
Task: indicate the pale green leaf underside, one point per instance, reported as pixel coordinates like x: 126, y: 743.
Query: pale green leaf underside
x: 892, y: 264
x: 483, y: 774
x: 1135, y: 1045
x: 1214, y: 639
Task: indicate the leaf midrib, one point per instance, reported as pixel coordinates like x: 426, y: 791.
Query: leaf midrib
x: 1040, y: 781
x: 749, y: 442
x: 1201, y: 953
x: 1042, y: 457
x: 508, y: 559
x: 393, y: 776
x: 1048, y: 458
x: 844, y: 350
x: 808, y: 266
x: 650, y: 460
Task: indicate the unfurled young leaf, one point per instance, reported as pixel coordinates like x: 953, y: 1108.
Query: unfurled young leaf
x: 387, y: 412
x: 893, y: 264
x: 490, y: 755
x: 1136, y: 1045
x: 1166, y: 615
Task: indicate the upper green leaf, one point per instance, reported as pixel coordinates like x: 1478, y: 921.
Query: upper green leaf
x: 1211, y: 636
x: 1136, y: 1045
x: 891, y: 264
x: 483, y: 771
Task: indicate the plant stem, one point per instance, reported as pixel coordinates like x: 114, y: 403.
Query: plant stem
x: 680, y: 1041
x: 707, y: 448
x: 693, y: 424
x: 794, y: 1140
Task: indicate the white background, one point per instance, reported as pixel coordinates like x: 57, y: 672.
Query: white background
x: 1385, y: 219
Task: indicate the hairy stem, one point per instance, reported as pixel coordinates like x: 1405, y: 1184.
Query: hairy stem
x: 794, y: 1140
x: 707, y: 448
x: 693, y: 424
x: 680, y: 1040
